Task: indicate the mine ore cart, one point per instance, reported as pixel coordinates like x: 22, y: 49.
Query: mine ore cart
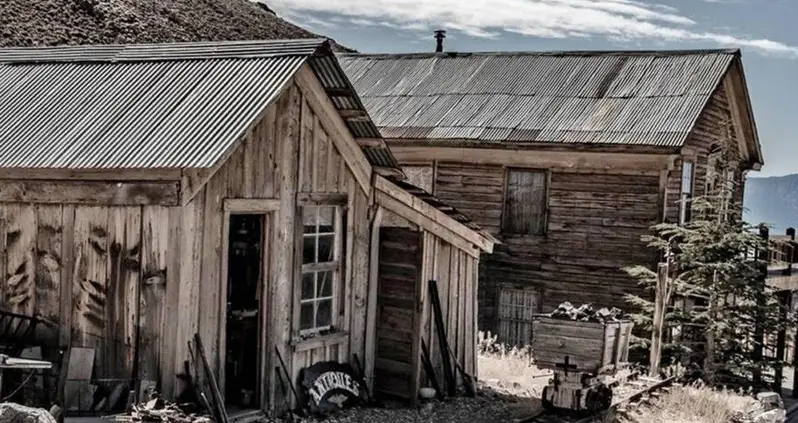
x: 588, y: 358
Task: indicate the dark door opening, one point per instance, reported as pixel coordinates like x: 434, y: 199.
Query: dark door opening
x: 244, y: 282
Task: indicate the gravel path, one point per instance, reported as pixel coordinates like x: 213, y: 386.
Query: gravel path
x: 488, y: 406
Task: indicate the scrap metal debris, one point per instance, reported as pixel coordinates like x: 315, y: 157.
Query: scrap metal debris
x: 587, y: 313
x: 159, y: 410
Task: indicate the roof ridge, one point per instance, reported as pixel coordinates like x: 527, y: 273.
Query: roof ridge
x: 459, y: 54
x: 202, y: 50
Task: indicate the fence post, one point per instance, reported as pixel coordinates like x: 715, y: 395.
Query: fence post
x: 781, y: 339
x: 759, y: 330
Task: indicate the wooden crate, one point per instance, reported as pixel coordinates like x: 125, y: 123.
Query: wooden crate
x: 591, y: 347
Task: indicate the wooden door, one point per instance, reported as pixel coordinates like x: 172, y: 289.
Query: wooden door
x: 398, y: 293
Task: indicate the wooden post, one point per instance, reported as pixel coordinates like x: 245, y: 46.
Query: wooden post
x: 790, y: 259
x: 794, y: 358
x: 759, y: 331
x: 660, y: 305
x: 781, y: 339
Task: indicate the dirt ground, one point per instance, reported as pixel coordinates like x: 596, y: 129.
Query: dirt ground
x: 487, y: 406
x: 509, y: 388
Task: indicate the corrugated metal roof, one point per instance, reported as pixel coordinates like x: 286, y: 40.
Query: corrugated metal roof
x: 176, y: 105
x: 641, y: 98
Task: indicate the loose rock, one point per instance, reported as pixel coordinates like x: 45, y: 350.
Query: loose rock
x: 587, y: 313
x: 15, y: 413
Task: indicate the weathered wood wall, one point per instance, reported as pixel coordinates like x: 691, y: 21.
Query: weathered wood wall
x: 94, y: 274
x: 290, y: 153
x: 595, y: 221
x: 456, y: 274
x: 599, y: 204
x: 107, y: 271
x: 711, y: 128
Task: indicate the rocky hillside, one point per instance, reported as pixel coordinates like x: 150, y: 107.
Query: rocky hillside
x: 54, y: 22
x: 772, y: 200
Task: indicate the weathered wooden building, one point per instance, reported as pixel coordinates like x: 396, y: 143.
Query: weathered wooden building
x: 235, y: 190
x: 567, y: 158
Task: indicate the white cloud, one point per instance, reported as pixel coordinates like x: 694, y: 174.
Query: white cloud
x: 611, y: 19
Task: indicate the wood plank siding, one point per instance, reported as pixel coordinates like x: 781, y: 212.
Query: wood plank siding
x: 398, y: 290
x: 155, y: 267
x: 712, y: 126
x: 136, y: 275
x: 455, y: 272
x: 290, y: 151
x: 596, y: 207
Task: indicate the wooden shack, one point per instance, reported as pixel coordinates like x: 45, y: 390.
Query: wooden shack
x: 567, y: 158
x: 231, y: 189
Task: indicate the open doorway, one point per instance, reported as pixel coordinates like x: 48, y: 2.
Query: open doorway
x: 244, y: 284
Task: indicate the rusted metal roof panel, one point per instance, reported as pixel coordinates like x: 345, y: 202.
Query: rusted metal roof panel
x: 179, y: 105
x: 640, y: 98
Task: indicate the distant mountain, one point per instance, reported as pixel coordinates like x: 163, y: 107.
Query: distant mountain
x: 772, y: 200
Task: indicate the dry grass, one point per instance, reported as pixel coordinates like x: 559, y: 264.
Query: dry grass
x: 693, y: 404
x: 509, y: 370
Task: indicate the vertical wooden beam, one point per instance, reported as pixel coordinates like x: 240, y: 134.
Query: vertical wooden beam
x: 171, y: 307
x: 371, y: 312
x: 48, y: 265
x: 418, y: 312
x: 358, y: 292
x: 794, y: 353
x: 154, y: 250
x: 781, y: 339
x: 265, y: 308
x: 468, y: 325
x: 759, y: 333
x: 475, y: 317
x: 67, y: 260
x: 223, y: 281
x: 190, y: 276
x: 287, y: 155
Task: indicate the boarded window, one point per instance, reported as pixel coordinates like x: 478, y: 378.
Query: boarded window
x: 525, y: 203
x: 687, y: 192
x: 516, y: 309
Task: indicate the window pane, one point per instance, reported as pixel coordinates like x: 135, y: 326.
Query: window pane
x: 324, y: 316
x: 687, y: 178
x: 326, y: 215
x: 307, y: 285
x: 326, y: 248
x: 309, y: 219
x: 306, y: 316
x: 325, y: 284
x: 308, y: 249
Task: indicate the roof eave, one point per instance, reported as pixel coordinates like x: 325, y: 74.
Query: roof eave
x: 758, y: 160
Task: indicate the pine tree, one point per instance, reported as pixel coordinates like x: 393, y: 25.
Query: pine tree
x: 715, y: 273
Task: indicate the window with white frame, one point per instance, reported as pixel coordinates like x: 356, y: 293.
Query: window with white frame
x: 321, y: 267
x: 687, y: 192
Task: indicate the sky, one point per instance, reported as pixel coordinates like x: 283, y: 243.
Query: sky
x: 762, y: 29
